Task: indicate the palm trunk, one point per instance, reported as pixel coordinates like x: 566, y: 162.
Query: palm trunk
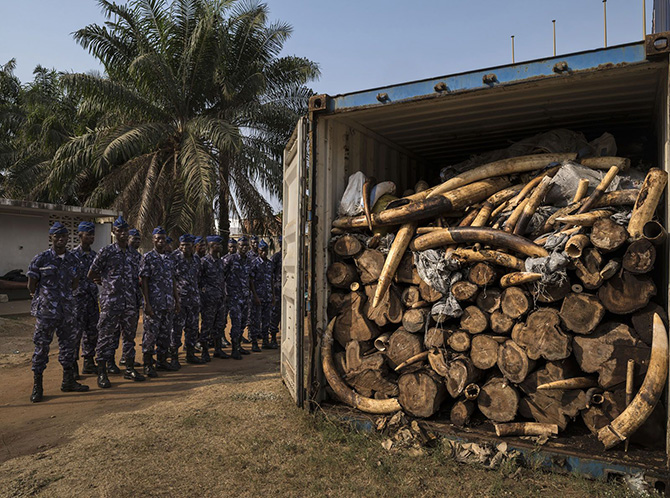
x: 224, y: 215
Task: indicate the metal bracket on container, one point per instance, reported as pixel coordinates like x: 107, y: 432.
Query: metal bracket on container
x: 318, y: 103
x: 383, y: 97
x: 657, y: 44
x: 561, y: 67
x: 489, y: 79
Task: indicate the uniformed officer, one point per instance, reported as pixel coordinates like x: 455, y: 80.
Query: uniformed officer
x: 134, y: 242
x: 212, y: 293
x: 187, y: 274
x: 115, y: 267
x: 161, y: 300
x: 200, y: 246
x: 253, y: 248
x: 232, y: 249
x: 236, y: 271
x: 52, y: 276
x: 276, y: 303
x: 262, y: 296
x: 86, y: 299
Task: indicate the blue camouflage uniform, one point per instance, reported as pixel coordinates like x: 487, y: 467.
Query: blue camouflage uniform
x: 53, y: 304
x: 212, y: 294
x: 260, y: 273
x: 236, y: 272
x: 276, y: 283
x: 159, y: 270
x: 120, y: 300
x: 187, y: 274
x: 86, y: 298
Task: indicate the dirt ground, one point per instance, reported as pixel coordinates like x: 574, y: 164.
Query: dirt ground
x: 225, y: 428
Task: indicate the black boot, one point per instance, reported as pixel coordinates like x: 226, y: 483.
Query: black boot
x: 218, y: 351
x: 225, y: 343
x: 70, y: 385
x: 89, y: 366
x: 103, y: 380
x: 239, y: 345
x: 162, y: 364
x: 273, y: 342
x: 254, y: 346
x: 112, y: 368
x: 244, y: 340
x: 75, y: 367
x: 205, y: 353
x: 191, y: 357
x: 174, y: 358
x: 38, y: 391
x: 266, y: 342
x: 149, y: 370
x: 236, y: 355
x: 131, y: 373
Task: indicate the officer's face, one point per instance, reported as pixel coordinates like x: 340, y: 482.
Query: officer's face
x: 59, y: 242
x: 87, y: 238
x: 202, y: 249
x: 215, y: 247
x: 232, y: 248
x: 186, y: 248
x: 121, y: 234
x: 159, y: 243
x: 135, y: 241
x: 244, y: 248
x: 263, y: 253
x: 254, y: 245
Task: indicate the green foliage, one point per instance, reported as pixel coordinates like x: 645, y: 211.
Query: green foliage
x: 191, y: 116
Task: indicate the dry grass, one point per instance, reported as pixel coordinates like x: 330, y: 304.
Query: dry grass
x: 245, y: 437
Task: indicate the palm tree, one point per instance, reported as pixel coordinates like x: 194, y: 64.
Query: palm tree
x: 193, y: 113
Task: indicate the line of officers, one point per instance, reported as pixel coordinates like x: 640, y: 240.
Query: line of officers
x: 190, y: 291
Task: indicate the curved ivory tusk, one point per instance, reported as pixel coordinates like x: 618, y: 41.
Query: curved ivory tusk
x: 519, y: 278
x: 392, y: 261
x: 534, y: 201
x: 650, y: 392
x: 582, y: 188
x: 654, y: 232
x: 606, y: 162
x: 576, y: 244
x: 585, y: 219
x: 600, y: 189
x: 468, y: 235
x: 574, y: 383
x: 645, y: 205
x: 508, y: 166
x: 487, y: 256
x: 456, y: 200
x: 411, y: 361
x: 342, y: 390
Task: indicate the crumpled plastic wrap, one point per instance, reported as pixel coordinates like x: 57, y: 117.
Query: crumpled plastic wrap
x: 440, y: 274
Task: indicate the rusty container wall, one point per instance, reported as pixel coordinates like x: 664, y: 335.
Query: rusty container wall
x: 408, y: 132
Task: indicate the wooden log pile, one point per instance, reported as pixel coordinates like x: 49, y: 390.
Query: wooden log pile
x: 551, y: 308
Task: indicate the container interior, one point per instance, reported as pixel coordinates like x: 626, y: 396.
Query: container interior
x: 406, y: 142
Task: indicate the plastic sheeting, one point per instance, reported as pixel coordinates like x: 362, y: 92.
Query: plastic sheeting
x: 440, y: 274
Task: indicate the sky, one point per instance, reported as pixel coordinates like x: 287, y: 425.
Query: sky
x: 360, y: 44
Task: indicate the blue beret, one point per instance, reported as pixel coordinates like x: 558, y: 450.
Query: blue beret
x: 134, y: 232
x: 199, y: 239
x: 254, y: 237
x: 57, y: 229
x: 86, y: 226
x: 187, y: 237
x: 242, y: 239
x: 262, y: 245
x: 120, y: 222
x: 168, y: 239
x: 158, y: 231
x: 214, y: 238
x: 232, y: 242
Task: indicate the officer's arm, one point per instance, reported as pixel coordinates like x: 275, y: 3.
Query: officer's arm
x: 32, y: 285
x: 94, y: 271
x: 145, y: 292
x: 75, y: 283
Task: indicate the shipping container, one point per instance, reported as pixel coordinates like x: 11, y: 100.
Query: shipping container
x: 407, y: 132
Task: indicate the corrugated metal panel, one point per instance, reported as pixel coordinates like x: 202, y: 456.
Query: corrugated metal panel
x: 449, y: 128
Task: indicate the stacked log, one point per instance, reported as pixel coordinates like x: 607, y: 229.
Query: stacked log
x: 532, y: 343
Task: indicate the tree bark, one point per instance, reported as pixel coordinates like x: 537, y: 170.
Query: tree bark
x: 464, y: 291
x: 421, y: 393
x: 402, y: 346
x: 370, y: 263
x: 474, y: 320
x: 514, y: 363
x: 341, y: 275
x: 459, y: 341
x: 515, y: 302
x: 461, y: 412
x: 347, y: 246
x: 415, y: 320
x: 482, y: 275
x: 501, y: 323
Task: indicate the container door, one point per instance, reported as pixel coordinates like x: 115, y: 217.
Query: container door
x: 293, y: 247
